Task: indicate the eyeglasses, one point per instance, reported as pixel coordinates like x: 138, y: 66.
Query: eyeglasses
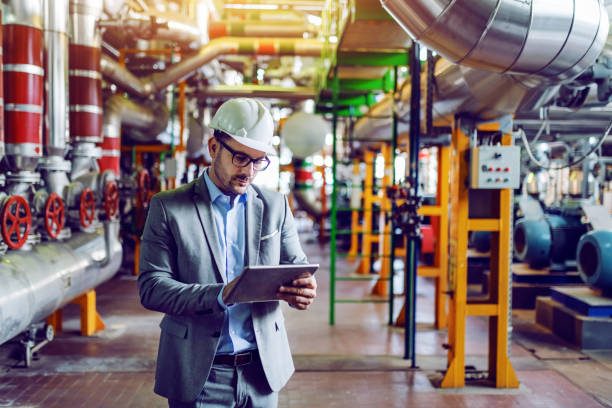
x: 240, y: 159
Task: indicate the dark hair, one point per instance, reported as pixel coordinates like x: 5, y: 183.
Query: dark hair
x: 221, y: 135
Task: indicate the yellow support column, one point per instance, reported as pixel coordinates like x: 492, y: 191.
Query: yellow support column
x: 500, y: 370
x: 441, y: 251
x: 500, y: 367
x: 368, y: 201
x: 457, y: 268
x: 90, y: 319
x: 382, y: 286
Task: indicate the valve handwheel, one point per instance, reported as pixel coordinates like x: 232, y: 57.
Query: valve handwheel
x: 87, y: 208
x: 54, y: 215
x: 144, y: 187
x: 111, y: 200
x: 16, y: 222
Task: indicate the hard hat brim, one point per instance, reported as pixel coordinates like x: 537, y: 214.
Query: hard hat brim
x: 254, y: 144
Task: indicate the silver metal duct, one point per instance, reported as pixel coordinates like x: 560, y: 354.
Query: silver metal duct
x: 491, y: 93
x: 23, y: 12
x: 120, y: 111
x: 84, y: 16
x: 34, y: 284
x: 258, y: 91
x: 553, y: 40
x: 260, y: 28
x: 114, y: 73
x: 56, y: 76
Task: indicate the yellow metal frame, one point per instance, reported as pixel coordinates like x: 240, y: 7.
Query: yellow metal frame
x: 501, y: 373
x: 439, y: 270
x: 91, y: 321
x: 367, y: 238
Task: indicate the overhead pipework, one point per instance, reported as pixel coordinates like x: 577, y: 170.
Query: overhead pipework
x: 120, y: 76
x: 547, y: 40
x: 500, y: 57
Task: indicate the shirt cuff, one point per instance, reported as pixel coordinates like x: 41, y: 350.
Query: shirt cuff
x: 220, y: 299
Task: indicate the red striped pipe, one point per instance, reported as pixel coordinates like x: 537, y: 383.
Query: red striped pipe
x: 1, y: 97
x: 111, y: 154
x: 23, y: 93
x: 85, y: 98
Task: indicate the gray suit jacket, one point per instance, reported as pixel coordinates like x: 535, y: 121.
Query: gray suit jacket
x: 182, y: 272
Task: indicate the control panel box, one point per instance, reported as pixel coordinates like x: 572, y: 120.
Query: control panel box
x: 495, y: 167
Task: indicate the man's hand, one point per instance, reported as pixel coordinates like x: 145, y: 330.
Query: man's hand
x: 300, y: 294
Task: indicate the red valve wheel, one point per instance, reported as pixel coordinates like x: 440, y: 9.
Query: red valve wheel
x: 54, y: 215
x: 87, y: 208
x: 144, y: 187
x: 111, y: 200
x: 15, y: 216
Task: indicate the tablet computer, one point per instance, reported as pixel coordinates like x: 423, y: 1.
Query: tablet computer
x: 261, y: 282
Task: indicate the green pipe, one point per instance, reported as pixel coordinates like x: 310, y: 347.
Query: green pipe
x: 332, y: 269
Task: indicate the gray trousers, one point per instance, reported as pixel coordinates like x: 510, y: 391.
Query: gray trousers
x: 243, y: 386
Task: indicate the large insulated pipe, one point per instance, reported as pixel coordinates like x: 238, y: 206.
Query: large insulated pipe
x: 36, y: 283
x: 166, y: 26
x: 280, y: 28
x: 488, y: 92
x: 119, y: 111
x: 55, y: 124
x: 553, y: 40
x: 120, y: 76
x: 23, y: 82
x: 56, y: 44
x: 85, y: 78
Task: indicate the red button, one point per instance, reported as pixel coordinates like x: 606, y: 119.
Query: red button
x: 507, y: 169
x: 499, y: 169
x: 490, y: 168
x: 498, y: 180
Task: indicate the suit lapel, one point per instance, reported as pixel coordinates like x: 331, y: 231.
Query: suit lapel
x: 254, y: 215
x: 201, y: 200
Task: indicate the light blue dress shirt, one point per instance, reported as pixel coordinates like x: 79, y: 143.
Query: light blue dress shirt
x: 237, y: 334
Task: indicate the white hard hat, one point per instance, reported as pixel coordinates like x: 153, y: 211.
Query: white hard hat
x: 248, y: 122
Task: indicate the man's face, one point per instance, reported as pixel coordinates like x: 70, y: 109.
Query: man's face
x: 231, y: 180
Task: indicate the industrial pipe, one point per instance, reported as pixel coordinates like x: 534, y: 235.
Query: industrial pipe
x: 2, y: 150
x: 36, y: 283
x: 114, y: 73
x: 482, y: 84
x: 56, y: 76
x: 23, y: 83
x: 553, y: 40
x: 120, y: 111
x: 268, y: 28
x: 85, y: 79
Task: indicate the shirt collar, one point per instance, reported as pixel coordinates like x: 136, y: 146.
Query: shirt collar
x: 215, y: 192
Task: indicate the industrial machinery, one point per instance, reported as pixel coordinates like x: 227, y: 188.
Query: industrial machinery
x: 550, y: 240
x: 593, y: 252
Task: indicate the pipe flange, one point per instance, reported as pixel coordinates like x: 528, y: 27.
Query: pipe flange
x: 87, y: 150
x: 55, y: 164
x: 29, y: 177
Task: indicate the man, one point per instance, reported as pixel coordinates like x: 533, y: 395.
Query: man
x: 198, y: 238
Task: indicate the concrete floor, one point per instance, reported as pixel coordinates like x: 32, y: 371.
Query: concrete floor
x: 356, y: 363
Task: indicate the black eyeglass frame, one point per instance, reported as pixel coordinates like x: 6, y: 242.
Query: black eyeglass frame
x: 264, y: 159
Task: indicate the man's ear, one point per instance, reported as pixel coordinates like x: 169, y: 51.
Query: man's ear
x: 213, y: 147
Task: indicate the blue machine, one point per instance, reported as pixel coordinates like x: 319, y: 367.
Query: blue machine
x: 594, y: 256
x: 551, y: 240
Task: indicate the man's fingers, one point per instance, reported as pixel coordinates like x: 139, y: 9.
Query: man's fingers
x: 309, y: 282
x: 301, y: 291
x: 298, y: 302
